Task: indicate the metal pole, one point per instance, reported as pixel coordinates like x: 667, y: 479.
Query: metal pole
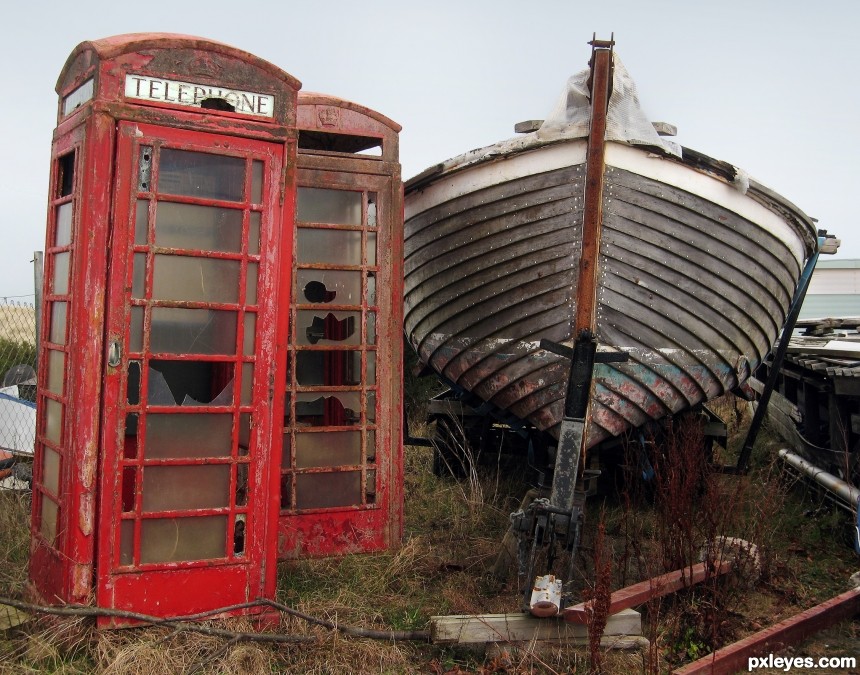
x: 779, y: 355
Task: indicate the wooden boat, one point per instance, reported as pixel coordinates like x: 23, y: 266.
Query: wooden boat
x: 696, y: 266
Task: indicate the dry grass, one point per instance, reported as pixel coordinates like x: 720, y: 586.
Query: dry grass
x: 453, y: 533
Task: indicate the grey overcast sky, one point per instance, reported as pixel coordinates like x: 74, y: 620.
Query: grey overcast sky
x: 768, y: 85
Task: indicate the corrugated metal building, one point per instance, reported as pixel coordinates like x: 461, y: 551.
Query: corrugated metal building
x: 834, y: 290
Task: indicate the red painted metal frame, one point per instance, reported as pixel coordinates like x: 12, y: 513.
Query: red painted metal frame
x: 63, y: 570
x: 378, y: 523
x: 639, y: 594
x: 735, y: 657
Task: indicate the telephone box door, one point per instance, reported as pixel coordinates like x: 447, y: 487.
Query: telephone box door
x: 186, y: 499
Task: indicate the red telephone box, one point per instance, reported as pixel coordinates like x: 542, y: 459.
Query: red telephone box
x: 342, y: 468
x: 159, y: 427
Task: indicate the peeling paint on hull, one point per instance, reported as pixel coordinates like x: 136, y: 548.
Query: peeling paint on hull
x: 694, y: 285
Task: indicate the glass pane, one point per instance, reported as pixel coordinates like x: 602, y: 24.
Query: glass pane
x: 175, y: 539
x: 241, y: 485
x: 370, y: 450
x: 61, y: 274
x: 51, y: 471
x: 138, y: 276
x: 193, y: 331
x: 339, y: 247
x: 257, y: 181
x: 200, y: 174
x: 176, y: 435
x: 58, y: 323
x: 195, y: 279
x: 48, y: 520
x: 251, y: 284
x: 324, y: 490
x: 128, y: 488
x: 371, y: 248
x: 371, y: 289
x: 329, y: 286
x: 250, y: 333
x: 132, y: 386
x: 177, y: 488
x: 370, y: 487
x: 207, y: 228
x: 371, y: 406
x: 371, y: 328
x: 56, y: 371
x: 254, y: 233
x: 328, y: 328
x: 190, y: 383
x: 244, y: 433
x: 330, y: 368
x: 324, y: 410
x: 331, y: 448
x: 247, y: 383
x: 135, y: 330
x: 64, y: 225
x: 371, y: 368
x: 141, y: 222
x: 371, y: 209
x: 53, y: 420
x: 130, y: 443
x: 126, y: 541
x: 320, y: 205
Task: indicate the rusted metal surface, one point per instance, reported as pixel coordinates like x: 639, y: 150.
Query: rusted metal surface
x: 96, y: 482
x: 736, y: 657
x: 695, y: 281
x: 350, y: 500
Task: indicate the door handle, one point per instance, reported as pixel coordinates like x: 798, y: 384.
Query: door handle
x: 114, y: 354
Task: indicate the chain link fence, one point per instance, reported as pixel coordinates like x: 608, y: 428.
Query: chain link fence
x: 18, y: 367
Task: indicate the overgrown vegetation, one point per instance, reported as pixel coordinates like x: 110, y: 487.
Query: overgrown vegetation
x: 453, y: 534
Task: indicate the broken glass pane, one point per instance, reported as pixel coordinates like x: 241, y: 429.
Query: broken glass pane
x: 320, y: 410
x: 192, y: 382
x: 330, y: 328
x: 322, y: 286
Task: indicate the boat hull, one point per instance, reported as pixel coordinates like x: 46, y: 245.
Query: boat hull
x: 696, y: 278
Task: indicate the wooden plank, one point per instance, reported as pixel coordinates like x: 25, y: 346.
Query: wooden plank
x: 471, y: 628
x: 531, y: 648
x: 734, y: 657
x: 640, y: 593
x: 832, y: 348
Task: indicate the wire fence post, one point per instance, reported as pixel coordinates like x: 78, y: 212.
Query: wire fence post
x: 37, y: 286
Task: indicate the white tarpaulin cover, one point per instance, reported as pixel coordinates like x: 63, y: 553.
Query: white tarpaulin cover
x: 625, y: 121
